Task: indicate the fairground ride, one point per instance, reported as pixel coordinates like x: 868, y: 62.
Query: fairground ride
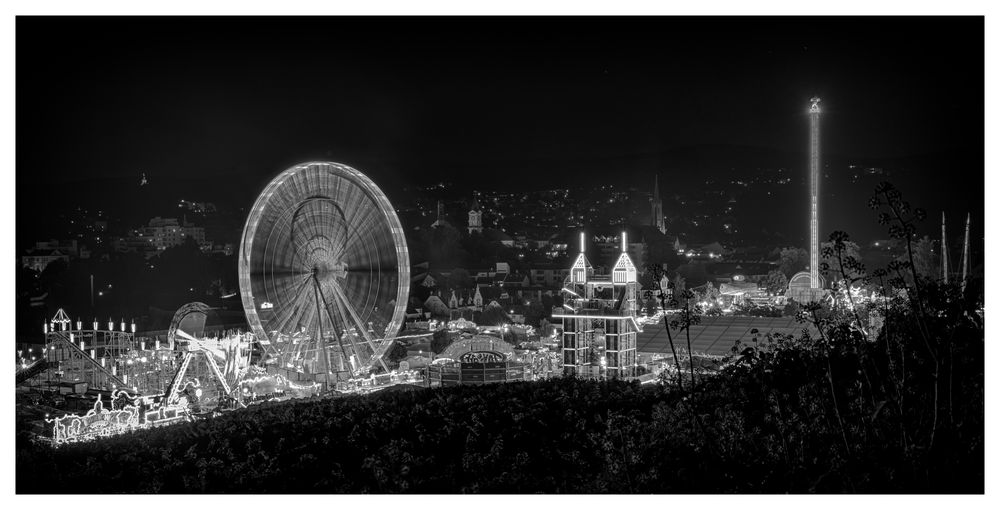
x: 324, y: 274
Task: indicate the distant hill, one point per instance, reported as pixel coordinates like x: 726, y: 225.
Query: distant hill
x: 941, y: 181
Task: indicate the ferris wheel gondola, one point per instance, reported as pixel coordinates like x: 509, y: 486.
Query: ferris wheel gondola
x: 324, y: 270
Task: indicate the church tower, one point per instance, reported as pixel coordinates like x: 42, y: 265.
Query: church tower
x: 438, y: 222
x: 657, y: 207
x: 475, y: 218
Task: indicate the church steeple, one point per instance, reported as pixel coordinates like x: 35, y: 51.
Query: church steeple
x: 439, y: 222
x: 475, y: 217
x: 656, y: 205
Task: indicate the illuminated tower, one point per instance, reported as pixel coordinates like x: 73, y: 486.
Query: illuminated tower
x: 814, y: 194
x: 599, y: 326
x: 657, y: 206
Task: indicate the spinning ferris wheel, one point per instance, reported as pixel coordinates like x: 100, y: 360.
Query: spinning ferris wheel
x: 324, y: 271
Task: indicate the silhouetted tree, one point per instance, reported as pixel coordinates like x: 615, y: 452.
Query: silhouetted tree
x: 793, y: 260
x: 776, y: 283
x: 396, y: 353
x: 440, y: 341
x: 459, y: 279
x: 849, y: 257
x: 493, y: 316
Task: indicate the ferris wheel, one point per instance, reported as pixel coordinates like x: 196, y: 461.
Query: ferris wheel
x: 324, y: 271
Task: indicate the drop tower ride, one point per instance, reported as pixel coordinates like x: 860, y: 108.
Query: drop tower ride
x: 814, y: 282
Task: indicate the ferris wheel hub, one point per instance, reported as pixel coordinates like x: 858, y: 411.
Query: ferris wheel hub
x: 323, y: 270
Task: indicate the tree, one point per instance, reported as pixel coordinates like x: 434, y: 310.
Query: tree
x: 442, y: 246
x: 650, y: 307
x: 793, y: 260
x: 440, y: 341
x: 791, y: 309
x: 544, y: 328
x: 712, y: 293
x: 926, y: 261
x: 694, y: 274
x: 459, y: 279
x: 646, y: 280
x: 535, y: 313
x: 396, y: 354
x: 679, y: 287
x: 849, y: 256
x: 776, y: 283
x: 493, y: 316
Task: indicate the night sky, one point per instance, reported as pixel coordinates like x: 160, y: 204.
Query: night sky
x: 498, y: 102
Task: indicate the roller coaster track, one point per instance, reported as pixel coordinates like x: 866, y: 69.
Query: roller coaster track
x: 63, y: 342
x: 23, y: 374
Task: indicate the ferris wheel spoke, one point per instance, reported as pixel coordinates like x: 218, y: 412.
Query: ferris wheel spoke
x: 362, y: 291
x: 356, y: 235
x: 345, y: 331
x: 371, y: 286
x: 361, y: 326
x: 362, y: 221
x: 284, y: 271
x: 282, y: 285
x: 292, y: 310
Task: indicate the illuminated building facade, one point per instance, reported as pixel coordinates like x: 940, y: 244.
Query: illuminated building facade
x: 599, y: 325
x: 38, y: 260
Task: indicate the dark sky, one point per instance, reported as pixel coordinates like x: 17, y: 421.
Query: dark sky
x: 428, y: 98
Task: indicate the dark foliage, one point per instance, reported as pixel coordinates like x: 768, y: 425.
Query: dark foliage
x: 441, y: 340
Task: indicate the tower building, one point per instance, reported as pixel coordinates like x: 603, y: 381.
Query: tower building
x: 599, y: 327
x: 657, y: 207
x: 440, y: 220
x: 475, y: 218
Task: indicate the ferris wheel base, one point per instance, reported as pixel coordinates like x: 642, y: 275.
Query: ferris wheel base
x: 327, y: 380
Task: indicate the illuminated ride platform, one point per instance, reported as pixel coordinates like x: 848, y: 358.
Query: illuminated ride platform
x: 482, y: 359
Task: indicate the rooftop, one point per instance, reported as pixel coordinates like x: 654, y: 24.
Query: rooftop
x: 717, y: 335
